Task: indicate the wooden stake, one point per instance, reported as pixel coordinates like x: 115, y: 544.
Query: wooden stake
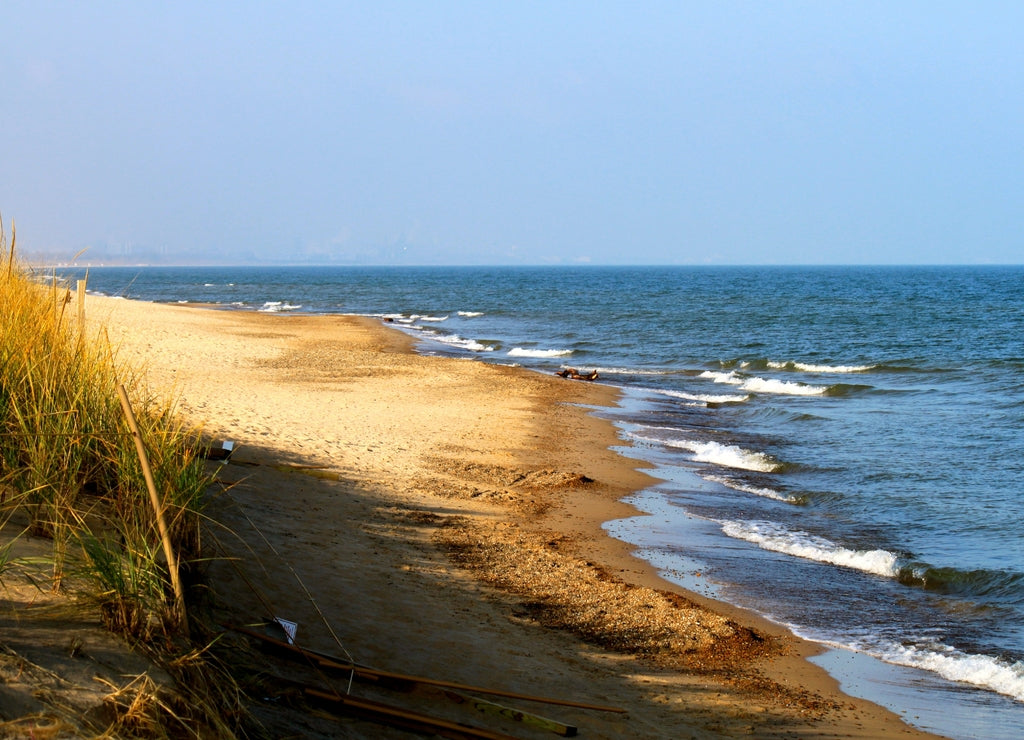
x: 154, y: 497
x: 81, y: 307
x: 403, y: 718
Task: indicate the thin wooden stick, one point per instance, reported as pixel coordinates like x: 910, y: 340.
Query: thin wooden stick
x: 516, y: 715
x: 154, y: 497
x: 10, y: 256
x: 81, y: 307
x: 319, y: 660
x: 403, y: 718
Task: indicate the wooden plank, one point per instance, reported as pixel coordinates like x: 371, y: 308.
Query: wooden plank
x: 518, y: 715
x: 330, y: 664
x: 404, y: 718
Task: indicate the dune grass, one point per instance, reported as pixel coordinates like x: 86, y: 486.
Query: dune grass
x: 69, y: 463
x: 70, y: 471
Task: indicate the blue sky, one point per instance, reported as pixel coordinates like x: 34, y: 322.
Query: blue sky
x: 516, y: 133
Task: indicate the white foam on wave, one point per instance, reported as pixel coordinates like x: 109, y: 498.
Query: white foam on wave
x: 782, y: 387
x: 731, y: 378
x: 420, y: 317
x: 278, y: 307
x: 765, y: 385
x: 456, y: 341
x: 629, y: 371
x: 732, y: 456
x: 771, y: 536
x: 807, y: 368
x: 984, y: 671
x: 539, y: 353
x: 729, y: 456
x: 755, y: 490
x: 705, y: 397
x: 470, y: 314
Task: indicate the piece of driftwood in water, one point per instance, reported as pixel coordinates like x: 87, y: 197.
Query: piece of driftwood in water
x: 518, y: 715
x: 398, y: 717
x: 330, y: 664
x: 574, y: 374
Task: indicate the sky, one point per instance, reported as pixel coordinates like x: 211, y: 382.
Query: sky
x: 513, y: 133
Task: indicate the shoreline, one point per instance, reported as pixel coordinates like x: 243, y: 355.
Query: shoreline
x: 435, y: 461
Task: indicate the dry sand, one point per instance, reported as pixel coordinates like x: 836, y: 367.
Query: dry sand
x: 441, y: 518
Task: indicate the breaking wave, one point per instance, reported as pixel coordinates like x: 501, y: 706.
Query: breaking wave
x: 462, y: 343
x: 809, y: 368
x: 729, y: 456
x: 755, y: 490
x: 432, y: 319
x: 538, y: 353
x: 278, y: 307
x: 988, y: 672
x: 730, y: 378
x: 1000, y: 585
x: 705, y: 397
x: 989, y: 585
x: 765, y: 385
x: 633, y: 371
x: 771, y: 536
x: 782, y: 387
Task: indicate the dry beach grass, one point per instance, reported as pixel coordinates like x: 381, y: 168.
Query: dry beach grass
x: 441, y: 518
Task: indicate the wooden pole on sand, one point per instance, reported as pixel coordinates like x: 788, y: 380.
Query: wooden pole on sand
x: 154, y: 497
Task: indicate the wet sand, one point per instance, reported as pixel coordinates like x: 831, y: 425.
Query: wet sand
x: 442, y: 517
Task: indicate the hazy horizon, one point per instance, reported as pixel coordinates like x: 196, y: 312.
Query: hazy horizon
x: 449, y: 133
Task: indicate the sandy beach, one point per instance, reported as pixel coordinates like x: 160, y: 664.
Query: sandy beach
x: 442, y: 518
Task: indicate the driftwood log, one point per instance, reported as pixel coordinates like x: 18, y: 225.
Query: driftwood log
x: 574, y: 374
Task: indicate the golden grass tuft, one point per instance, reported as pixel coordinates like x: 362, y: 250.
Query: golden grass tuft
x: 70, y: 472
x: 68, y: 462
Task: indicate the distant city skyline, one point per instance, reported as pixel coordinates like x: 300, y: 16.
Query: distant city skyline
x: 129, y: 253
x: 523, y: 133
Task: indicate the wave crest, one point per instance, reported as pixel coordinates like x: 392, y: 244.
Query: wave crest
x: 705, y: 397
x: 811, y: 368
x: 729, y: 456
x: 468, y: 344
x: 755, y: 490
x: 771, y: 536
x: 782, y: 387
x: 985, y: 671
x: 538, y: 353
x: 765, y: 385
x: 278, y: 307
